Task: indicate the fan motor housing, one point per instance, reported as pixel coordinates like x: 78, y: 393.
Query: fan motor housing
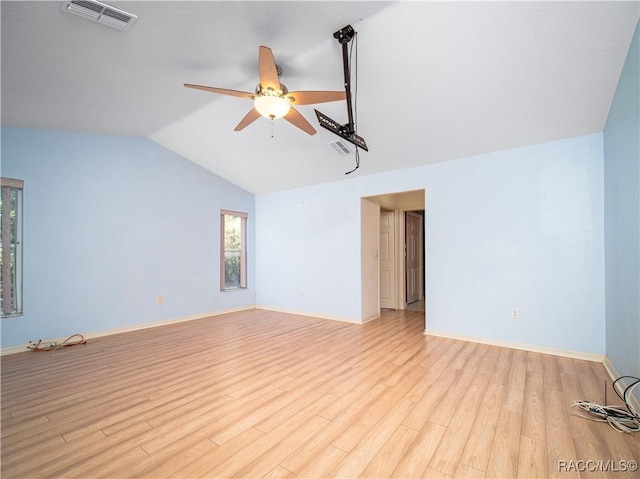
x: 260, y: 91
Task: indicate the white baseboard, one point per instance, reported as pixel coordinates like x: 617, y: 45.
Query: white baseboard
x: 126, y: 329
x: 525, y: 347
x: 372, y: 318
x: 312, y: 315
x: 13, y: 350
x: 620, y: 385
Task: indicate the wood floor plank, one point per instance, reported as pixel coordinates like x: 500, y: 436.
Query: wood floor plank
x: 489, y: 360
x: 273, y: 456
x: 533, y: 416
x: 518, y: 370
x: 551, y: 373
x: 207, y: 463
x: 359, y: 388
x: 466, y: 472
x: 306, y: 452
x: 323, y: 463
x: 500, y: 373
x: 348, y: 440
x: 618, y: 446
x: 450, y: 402
x: 171, y: 461
x: 503, y: 460
x: 580, y: 428
x: 252, y: 453
x: 74, y: 459
x: 447, y: 456
x: 387, y: 459
x: 559, y: 439
x: 478, y: 446
x: 532, y: 459
x: 566, y: 366
x: 431, y: 399
x: 196, y: 423
x: 28, y: 459
x: 295, y: 401
x: 370, y: 445
x: 433, y: 474
x: 279, y: 472
x: 535, y: 362
x: 415, y: 461
x: 108, y: 468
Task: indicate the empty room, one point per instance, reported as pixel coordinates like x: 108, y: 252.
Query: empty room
x: 320, y: 239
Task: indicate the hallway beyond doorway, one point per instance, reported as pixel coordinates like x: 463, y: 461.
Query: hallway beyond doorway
x: 416, y: 306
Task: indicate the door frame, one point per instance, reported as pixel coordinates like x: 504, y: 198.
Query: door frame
x: 400, y: 201
x: 395, y: 298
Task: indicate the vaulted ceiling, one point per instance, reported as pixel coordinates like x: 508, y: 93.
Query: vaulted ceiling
x: 434, y: 81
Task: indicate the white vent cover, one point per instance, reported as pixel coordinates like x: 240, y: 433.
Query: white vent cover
x: 341, y: 148
x: 100, y: 12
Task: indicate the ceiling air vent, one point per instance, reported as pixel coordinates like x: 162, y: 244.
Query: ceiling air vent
x: 100, y: 12
x: 341, y: 148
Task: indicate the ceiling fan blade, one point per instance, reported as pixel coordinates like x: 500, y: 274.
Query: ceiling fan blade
x: 312, y: 97
x: 268, y: 70
x: 249, y: 118
x: 295, y: 118
x: 223, y: 91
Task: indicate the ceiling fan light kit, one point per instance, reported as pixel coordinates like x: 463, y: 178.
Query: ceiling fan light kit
x: 272, y: 106
x: 272, y: 99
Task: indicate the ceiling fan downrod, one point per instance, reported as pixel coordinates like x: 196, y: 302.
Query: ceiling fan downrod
x: 344, y: 36
x: 348, y: 130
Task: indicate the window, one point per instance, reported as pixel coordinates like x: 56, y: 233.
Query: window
x: 233, y: 250
x: 11, y: 247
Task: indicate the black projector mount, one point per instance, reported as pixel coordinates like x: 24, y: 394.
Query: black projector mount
x: 347, y: 131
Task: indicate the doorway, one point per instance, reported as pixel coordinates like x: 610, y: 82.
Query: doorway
x: 396, y: 283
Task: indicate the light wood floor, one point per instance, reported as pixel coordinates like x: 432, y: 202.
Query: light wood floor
x: 264, y: 394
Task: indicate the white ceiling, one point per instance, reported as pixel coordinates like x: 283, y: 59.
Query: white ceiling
x: 435, y: 80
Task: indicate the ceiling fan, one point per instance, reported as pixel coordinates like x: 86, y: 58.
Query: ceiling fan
x: 272, y: 99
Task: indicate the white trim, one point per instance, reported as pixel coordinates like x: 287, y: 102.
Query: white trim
x: 135, y: 327
x: 315, y: 315
x: 525, y: 347
x: 372, y: 318
x: 12, y: 350
x: 621, y: 385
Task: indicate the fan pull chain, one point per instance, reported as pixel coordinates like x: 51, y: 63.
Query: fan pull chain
x: 271, y: 123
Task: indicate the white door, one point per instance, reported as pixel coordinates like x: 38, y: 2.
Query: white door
x: 413, y: 244
x: 387, y: 260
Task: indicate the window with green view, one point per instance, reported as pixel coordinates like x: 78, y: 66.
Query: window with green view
x: 233, y: 267
x: 11, y: 247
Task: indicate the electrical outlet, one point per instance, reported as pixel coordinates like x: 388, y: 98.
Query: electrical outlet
x: 515, y: 314
x: 160, y: 299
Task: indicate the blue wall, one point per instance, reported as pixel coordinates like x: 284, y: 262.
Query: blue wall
x: 521, y: 228
x: 622, y: 213
x: 109, y: 224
